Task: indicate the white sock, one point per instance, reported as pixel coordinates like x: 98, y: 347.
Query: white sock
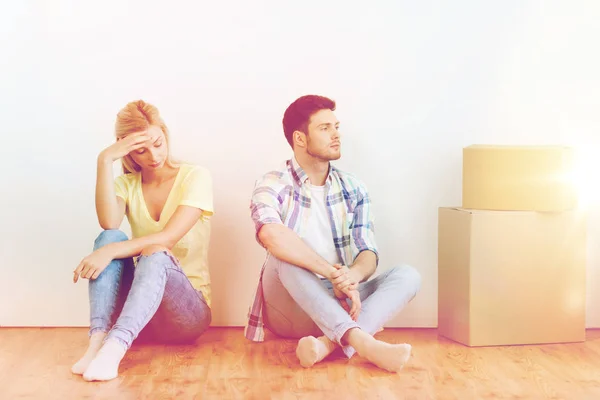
x: 93, y: 347
x: 311, y: 350
x: 105, y: 366
x: 390, y: 357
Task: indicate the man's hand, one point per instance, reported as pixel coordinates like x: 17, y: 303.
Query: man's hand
x: 345, y: 285
x: 343, y: 277
x: 353, y: 294
x: 342, y: 299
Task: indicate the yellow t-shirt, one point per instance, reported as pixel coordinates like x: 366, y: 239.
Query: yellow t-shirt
x: 192, y: 187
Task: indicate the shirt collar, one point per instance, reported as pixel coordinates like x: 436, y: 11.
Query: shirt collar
x: 301, y: 177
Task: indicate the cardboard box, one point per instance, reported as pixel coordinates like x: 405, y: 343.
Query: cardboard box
x: 527, y: 178
x: 511, y: 277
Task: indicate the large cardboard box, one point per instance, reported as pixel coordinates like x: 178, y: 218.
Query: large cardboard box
x: 511, y: 277
x: 528, y: 178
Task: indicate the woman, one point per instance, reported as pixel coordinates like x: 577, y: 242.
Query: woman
x: 159, y: 280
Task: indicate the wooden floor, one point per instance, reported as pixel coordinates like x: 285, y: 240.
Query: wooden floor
x: 35, y: 363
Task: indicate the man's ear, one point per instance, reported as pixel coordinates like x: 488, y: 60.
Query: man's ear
x: 299, y: 139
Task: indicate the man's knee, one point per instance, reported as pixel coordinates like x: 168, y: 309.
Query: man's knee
x: 276, y: 265
x: 290, y: 272
x: 153, y: 249
x: 408, y: 275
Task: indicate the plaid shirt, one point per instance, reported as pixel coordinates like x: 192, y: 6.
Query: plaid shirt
x: 283, y: 197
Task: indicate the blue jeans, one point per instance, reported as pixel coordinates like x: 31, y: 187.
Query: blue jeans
x: 298, y: 303
x: 155, y: 296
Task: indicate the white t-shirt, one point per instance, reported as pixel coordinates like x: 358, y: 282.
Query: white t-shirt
x: 318, y: 235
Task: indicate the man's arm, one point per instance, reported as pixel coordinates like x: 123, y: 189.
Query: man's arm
x: 363, y: 236
x: 364, y: 266
x: 287, y: 246
x: 266, y: 210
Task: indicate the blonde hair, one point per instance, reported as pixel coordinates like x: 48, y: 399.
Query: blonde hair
x: 134, y: 117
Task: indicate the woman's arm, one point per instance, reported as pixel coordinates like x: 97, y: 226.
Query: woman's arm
x: 110, y: 208
x: 182, y: 220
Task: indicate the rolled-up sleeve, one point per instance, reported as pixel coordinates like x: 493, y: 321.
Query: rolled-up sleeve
x: 265, y: 205
x: 363, y: 225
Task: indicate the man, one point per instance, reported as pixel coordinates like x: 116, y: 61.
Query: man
x: 315, y: 222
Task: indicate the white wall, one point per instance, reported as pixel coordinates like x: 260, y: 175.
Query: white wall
x: 414, y: 82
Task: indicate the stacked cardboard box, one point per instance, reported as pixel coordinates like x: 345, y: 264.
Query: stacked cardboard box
x: 511, y: 260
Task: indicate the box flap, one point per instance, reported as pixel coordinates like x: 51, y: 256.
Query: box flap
x: 515, y: 147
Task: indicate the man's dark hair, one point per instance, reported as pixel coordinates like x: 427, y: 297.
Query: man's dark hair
x: 297, y: 115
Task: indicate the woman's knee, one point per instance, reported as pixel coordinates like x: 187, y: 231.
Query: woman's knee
x: 109, y: 236
x: 153, y: 249
x: 154, y: 257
